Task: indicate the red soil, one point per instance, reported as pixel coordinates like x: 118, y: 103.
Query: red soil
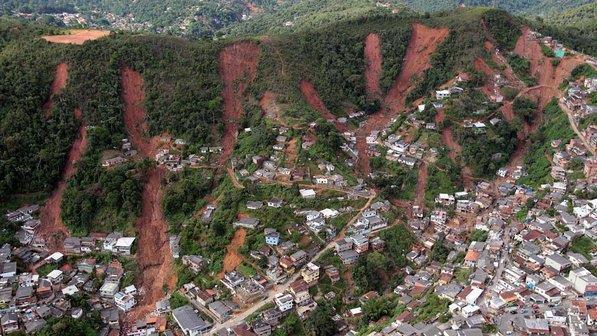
x: 77, y: 36
x: 422, y: 44
x: 549, y: 79
x: 421, y: 184
x: 58, y: 84
x: 238, y: 67
x: 52, y: 228
x: 481, y: 66
x: 499, y: 59
x: 232, y: 258
x: 372, y: 64
x: 268, y: 105
x: 312, y: 97
x: 153, y: 255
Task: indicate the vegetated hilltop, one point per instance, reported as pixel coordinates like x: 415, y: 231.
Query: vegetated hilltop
x: 528, y: 7
x: 204, y: 18
x: 583, y: 17
x: 182, y: 17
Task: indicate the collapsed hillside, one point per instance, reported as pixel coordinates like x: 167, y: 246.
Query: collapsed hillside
x: 361, y: 75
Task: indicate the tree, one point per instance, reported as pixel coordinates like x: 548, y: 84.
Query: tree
x: 320, y: 322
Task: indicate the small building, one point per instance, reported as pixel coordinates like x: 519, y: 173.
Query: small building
x: 284, y: 302
x: 189, y: 321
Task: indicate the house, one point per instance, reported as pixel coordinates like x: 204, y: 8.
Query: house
x: 360, y: 243
x: 307, y: 193
x: 194, y: 262
x: 10, y: 322
x: 8, y: 269
x: 124, y: 245
x: 275, y: 203
x: 189, y: 321
x: 348, y: 257
x: 221, y: 311
x: 124, y: 302
x: 254, y: 205
x: 55, y: 276
x: 248, y: 223
x: 583, y: 281
x: 110, y: 241
x: 343, y: 244
x: 108, y: 289
x: 310, y: 273
x: 558, y: 262
x: 442, y: 94
x: 72, y: 245
x: 272, y: 237
x: 284, y: 302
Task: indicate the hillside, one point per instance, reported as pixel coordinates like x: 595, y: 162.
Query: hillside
x: 584, y: 17
x: 198, y: 18
x: 256, y: 157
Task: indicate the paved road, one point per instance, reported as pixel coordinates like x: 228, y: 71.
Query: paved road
x: 237, y: 319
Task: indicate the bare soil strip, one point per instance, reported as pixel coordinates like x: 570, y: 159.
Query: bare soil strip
x: 77, y: 36
x: 421, y: 184
x: 238, y: 67
x: 233, y: 258
x: 313, y: 99
x: 153, y: 254
x: 58, y: 84
x: 373, y: 61
x: 423, y: 42
x: 52, y: 228
x: 549, y: 78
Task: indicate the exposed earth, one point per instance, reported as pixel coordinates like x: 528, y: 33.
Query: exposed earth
x: 77, y: 36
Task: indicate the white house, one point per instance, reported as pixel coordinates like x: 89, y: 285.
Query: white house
x: 124, y: 302
x: 442, y: 94
x: 284, y: 302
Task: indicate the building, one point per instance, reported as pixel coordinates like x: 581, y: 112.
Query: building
x: 189, y: 321
x: 284, y: 302
x: 124, y: 302
x: 583, y: 281
x: 124, y: 245
x: 442, y: 94
x: 310, y: 273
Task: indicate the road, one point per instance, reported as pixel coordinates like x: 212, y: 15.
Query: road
x: 575, y: 127
x: 237, y: 319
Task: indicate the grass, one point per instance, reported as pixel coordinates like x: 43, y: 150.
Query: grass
x: 583, y: 245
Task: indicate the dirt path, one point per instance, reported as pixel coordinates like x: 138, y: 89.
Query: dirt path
x: 77, y: 36
x: 234, y: 179
x: 373, y: 61
x: 238, y: 67
x: 312, y: 97
x: 421, y: 184
x: 233, y: 258
x: 58, y: 84
x: 549, y: 78
x: 423, y: 42
x: 52, y: 228
x: 153, y: 254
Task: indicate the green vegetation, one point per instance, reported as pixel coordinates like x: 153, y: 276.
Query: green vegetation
x: 185, y: 193
x: 503, y: 27
x: 479, y: 235
x: 583, y: 70
x: 522, y: 67
x: 320, y: 321
x: 431, y: 308
x: 485, y: 152
x: 583, y: 17
x: 583, y: 245
x: 178, y: 300
x: 524, y: 108
x: 554, y: 127
x: 443, y: 177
